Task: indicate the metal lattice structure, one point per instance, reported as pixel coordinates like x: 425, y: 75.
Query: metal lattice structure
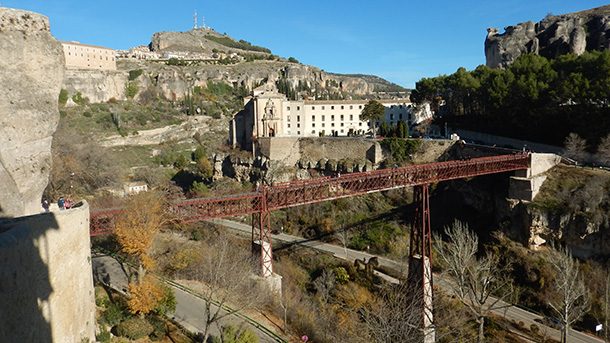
x: 270, y: 198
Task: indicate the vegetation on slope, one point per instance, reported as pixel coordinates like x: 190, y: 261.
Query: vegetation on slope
x: 562, y: 95
x: 241, y: 44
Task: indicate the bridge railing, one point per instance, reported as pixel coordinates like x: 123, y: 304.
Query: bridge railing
x: 303, y: 192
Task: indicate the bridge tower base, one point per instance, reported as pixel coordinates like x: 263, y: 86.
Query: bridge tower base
x: 419, y: 276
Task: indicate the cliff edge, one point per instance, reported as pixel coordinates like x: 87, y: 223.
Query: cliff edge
x: 32, y: 65
x: 553, y: 36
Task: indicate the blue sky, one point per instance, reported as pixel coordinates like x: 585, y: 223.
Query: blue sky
x: 399, y: 40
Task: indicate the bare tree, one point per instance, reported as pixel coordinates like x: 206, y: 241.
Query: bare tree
x: 396, y: 316
x: 227, y: 277
x: 603, y: 151
x: 571, y: 298
x: 479, y: 283
x: 575, y: 147
x: 324, y: 285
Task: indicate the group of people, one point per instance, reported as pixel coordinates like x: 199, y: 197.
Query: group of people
x: 62, y: 203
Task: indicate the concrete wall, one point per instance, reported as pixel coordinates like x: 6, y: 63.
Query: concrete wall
x: 526, y: 184
x: 46, y: 284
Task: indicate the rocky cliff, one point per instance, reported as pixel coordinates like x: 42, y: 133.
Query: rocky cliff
x: 32, y: 65
x: 552, y: 36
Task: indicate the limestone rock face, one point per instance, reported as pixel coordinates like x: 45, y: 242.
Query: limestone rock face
x: 96, y: 85
x: 551, y: 37
x: 31, y: 74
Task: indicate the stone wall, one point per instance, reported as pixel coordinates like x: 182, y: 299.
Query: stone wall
x: 46, y: 284
x: 290, y: 150
x: 32, y: 69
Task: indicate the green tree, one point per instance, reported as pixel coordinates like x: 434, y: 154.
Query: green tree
x: 373, y: 111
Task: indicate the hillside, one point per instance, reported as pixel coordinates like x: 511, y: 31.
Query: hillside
x: 552, y: 36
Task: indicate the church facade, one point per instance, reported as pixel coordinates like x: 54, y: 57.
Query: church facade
x: 268, y: 113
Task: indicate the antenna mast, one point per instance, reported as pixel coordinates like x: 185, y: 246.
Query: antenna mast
x: 195, y: 20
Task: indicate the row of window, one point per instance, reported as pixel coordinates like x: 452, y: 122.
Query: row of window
x: 324, y: 124
x: 342, y: 117
x: 101, y: 57
x: 351, y: 107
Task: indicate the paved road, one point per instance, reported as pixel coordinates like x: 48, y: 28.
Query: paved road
x: 189, y: 308
x: 511, y: 312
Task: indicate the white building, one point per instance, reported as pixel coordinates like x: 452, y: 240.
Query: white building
x: 268, y: 113
x: 83, y: 56
x: 131, y: 188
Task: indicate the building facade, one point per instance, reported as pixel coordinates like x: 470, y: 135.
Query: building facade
x: 268, y: 113
x: 83, y: 56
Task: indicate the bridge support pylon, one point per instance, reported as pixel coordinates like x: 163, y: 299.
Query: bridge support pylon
x: 262, y: 246
x: 419, y: 275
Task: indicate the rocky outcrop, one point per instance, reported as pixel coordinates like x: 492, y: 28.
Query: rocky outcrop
x: 32, y: 65
x: 96, y: 85
x: 553, y: 36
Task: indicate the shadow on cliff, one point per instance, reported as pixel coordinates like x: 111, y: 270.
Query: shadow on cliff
x: 25, y: 283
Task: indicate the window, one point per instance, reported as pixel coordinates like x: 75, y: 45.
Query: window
x: 298, y: 125
x: 399, y: 106
x: 341, y: 124
x: 298, y: 118
x: 351, y: 117
x: 313, y: 124
x: 288, y: 125
x: 313, y: 118
x: 400, y: 116
x: 313, y: 132
x: 323, y: 125
x: 332, y: 117
x: 332, y: 107
x: 360, y: 124
x: 313, y: 107
x: 341, y: 106
x: 322, y: 107
x: 332, y: 124
x: 392, y: 106
x: 298, y: 132
x: 287, y: 118
x: 351, y: 107
x: 288, y: 108
x: 359, y: 107
x: 391, y: 116
x: 342, y: 117
x: 341, y: 130
x: 298, y: 108
x: 323, y: 117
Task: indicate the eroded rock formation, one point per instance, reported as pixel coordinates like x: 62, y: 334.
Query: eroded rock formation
x: 32, y: 65
x: 552, y: 36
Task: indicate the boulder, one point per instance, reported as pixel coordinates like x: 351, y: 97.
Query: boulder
x: 32, y: 64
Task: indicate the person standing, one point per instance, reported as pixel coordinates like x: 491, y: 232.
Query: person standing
x: 45, y: 205
x: 61, y: 203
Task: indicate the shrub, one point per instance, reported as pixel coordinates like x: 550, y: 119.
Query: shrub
x: 167, y: 304
x: 79, y: 99
x: 63, y: 96
x: 103, y: 336
x: 293, y: 60
x: 114, y: 314
x: 199, y: 189
x: 134, y: 328
x: 534, y: 328
x: 232, y: 334
x: 341, y: 275
x: 134, y: 74
x: 131, y: 89
x: 87, y: 114
x: 159, y: 328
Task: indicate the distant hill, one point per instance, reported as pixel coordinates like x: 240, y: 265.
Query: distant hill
x: 203, y: 41
x: 553, y: 36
